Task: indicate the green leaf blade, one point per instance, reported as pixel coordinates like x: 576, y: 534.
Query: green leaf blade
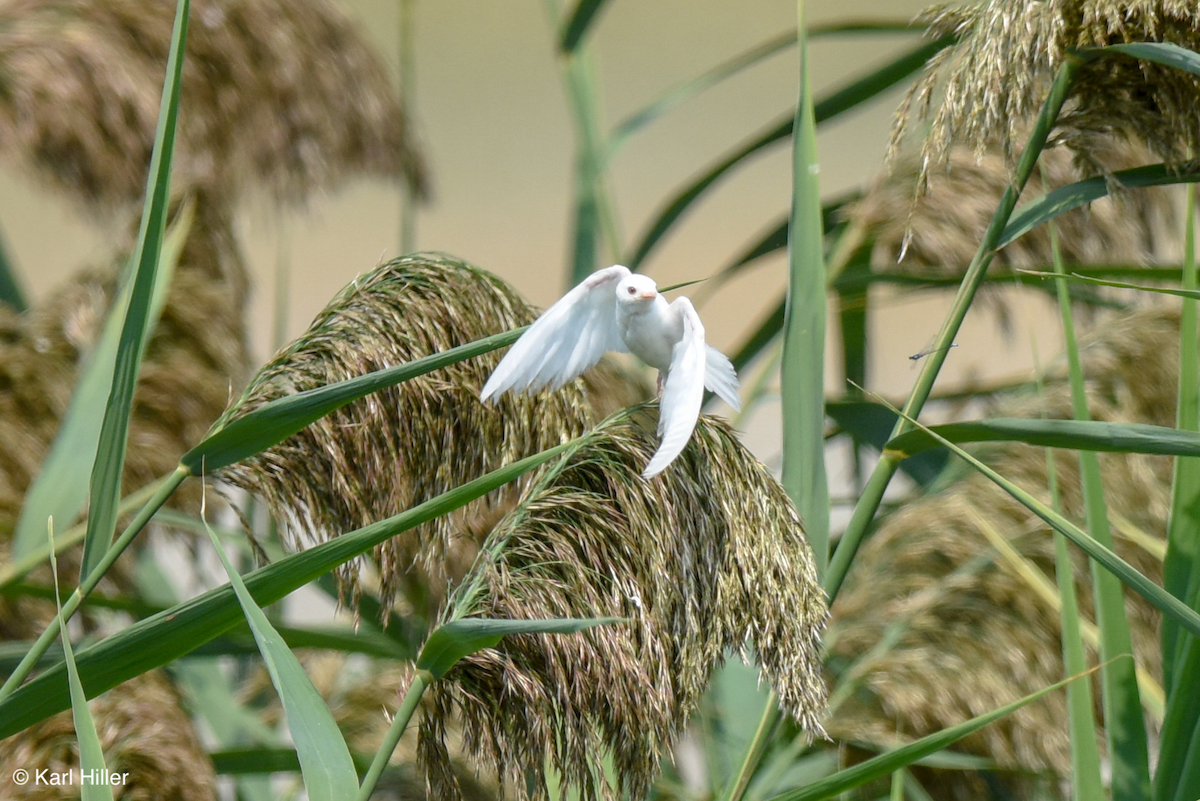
x: 802, y: 371
x: 106, y: 473
x: 170, y: 634
x: 271, y: 423
x: 452, y: 641
x: 1084, y: 435
x: 885, y: 764
x: 61, y: 486
x: 91, y: 751
x: 325, y: 762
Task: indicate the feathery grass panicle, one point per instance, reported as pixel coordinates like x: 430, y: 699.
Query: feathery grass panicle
x: 939, y: 230
x: 144, y: 732
x: 711, y: 555
x: 283, y: 92
x: 974, y: 634
x: 994, y: 80
x: 197, y: 353
x: 393, y: 449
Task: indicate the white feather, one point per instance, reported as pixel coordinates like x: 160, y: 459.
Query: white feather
x: 683, y: 390
x: 566, y: 340
x: 721, y: 378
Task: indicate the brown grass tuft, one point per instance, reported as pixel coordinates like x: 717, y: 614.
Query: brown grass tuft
x: 996, y: 78
x: 385, y: 453
x: 143, y: 731
x: 971, y: 634
x: 281, y: 92
x: 943, y: 226
x: 196, y: 355
x: 708, y: 557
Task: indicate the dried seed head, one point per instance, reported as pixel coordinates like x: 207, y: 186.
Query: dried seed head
x: 974, y: 634
x: 939, y: 230
x: 398, y: 447
x: 281, y: 92
x: 144, y: 732
x: 994, y: 81
x: 197, y: 352
x: 706, y: 557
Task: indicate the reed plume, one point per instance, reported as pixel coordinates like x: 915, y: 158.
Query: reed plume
x: 144, y: 733
x: 709, y: 556
x: 396, y: 448
x: 938, y: 231
x: 994, y: 80
x: 970, y: 635
x: 283, y: 94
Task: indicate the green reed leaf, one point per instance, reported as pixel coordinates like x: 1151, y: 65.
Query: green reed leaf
x: 110, y: 453
x: 61, y: 487
x: 325, y: 763
x: 1084, y: 435
x: 853, y: 94
x: 237, y: 439
x: 884, y: 764
x: 458, y: 638
x: 170, y: 634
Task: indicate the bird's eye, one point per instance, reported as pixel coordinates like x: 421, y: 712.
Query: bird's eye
x: 631, y: 291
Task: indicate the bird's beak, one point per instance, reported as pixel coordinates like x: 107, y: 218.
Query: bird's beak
x: 647, y: 296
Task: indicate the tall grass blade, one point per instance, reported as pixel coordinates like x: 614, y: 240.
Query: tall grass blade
x: 1124, y: 726
x: 168, y: 635
x: 325, y: 763
x: 110, y: 455
x: 234, y: 440
x: 1185, y: 292
x: 837, y: 102
x: 1081, y: 724
x: 579, y: 24
x: 458, y: 638
x: 1182, y: 553
x: 1072, y: 196
x: 595, y: 223
x: 802, y: 371
x: 626, y: 129
x: 91, y: 752
x: 884, y: 764
x: 1083, y: 435
x: 1188, y: 618
x: 1165, y: 53
x: 61, y: 487
x: 1180, y: 743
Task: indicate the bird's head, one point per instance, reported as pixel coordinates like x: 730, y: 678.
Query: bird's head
x: 637, y: 289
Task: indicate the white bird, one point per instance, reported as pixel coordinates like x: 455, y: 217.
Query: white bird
x: 614, y: 309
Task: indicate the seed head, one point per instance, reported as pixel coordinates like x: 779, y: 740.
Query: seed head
x: 706, y: 557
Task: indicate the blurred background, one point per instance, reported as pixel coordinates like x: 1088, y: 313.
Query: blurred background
x: 493, y: 120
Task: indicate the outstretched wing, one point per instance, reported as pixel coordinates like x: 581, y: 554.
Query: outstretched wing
x: 683, y: 392
x: 567, y: 339
x: 721, y: 378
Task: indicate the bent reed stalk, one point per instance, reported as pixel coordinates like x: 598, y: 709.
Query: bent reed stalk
x: 873, y: 491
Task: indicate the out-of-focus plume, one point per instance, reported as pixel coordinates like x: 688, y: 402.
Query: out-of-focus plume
x: 709, y: 556
x: 970, y: 633
x: 398, y: 447
x: 938, y: 231
x: 144, y: 733
x: 995, y: 79
x: 196, y: 354
x: 280, y: 92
